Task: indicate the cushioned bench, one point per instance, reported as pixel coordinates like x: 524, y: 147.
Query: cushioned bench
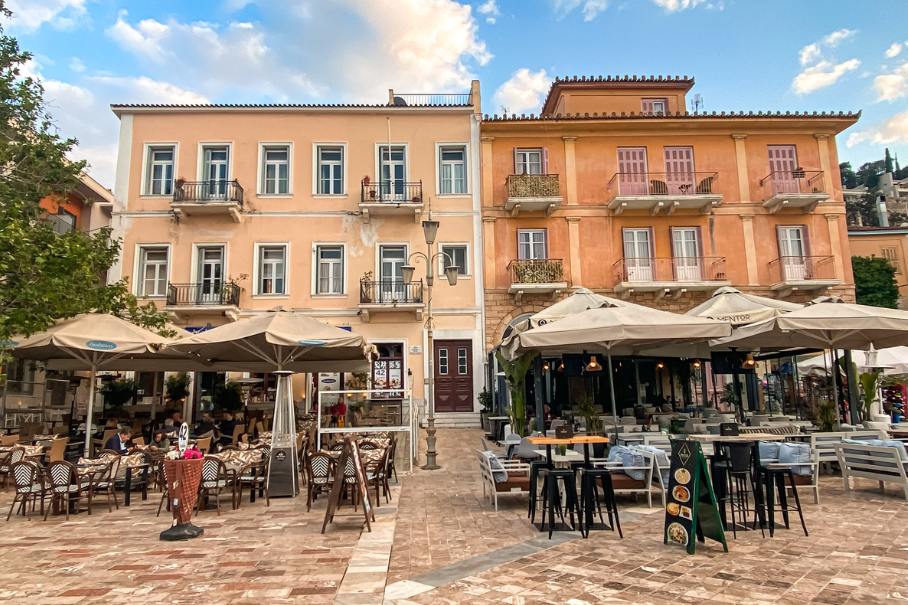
x: 885, y: 464
x: 502, y: 476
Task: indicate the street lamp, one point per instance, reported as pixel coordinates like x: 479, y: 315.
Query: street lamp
x: 430, y: 230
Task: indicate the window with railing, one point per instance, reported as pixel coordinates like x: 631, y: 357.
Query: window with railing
x: 208, y: 191
x: 202, y: 294
x: 390, y: 291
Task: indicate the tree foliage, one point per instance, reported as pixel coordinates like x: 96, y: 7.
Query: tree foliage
x: 515, y: 371
x: 874, y: 280
x: 46, y: 276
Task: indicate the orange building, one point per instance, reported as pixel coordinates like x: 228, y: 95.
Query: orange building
x: 616, y: 187
x: 87, y: 207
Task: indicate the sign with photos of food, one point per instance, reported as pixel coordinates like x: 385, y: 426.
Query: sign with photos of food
x: 691, y: 512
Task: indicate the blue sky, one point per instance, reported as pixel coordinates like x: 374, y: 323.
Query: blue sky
x: 745, y: 54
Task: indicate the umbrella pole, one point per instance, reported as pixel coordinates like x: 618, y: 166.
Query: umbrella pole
x: 796, y: 387
x: 611, y: 388
x: 88, y: 414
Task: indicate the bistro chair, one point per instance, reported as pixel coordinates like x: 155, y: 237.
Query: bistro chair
x: 729, y: 429
x: 377, y: 477
x: 100, y: 443
x: 740, y: 484
x: 57, y: 450
x: 255, y: 475
x: 238, y: 431
x: 318, y: 476
x: 215, y: 479
x: 204, y: 444
x: 103, y: 482
x: 16, y: 454
x: 64, y: 484
x: 29, y: 487
x: 367, y: 444
x: 337, y: 446
x: 138, y: 478
x: 392, y: 450
x: 590, y: 480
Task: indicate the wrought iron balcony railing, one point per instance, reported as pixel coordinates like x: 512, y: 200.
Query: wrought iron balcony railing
x: 539, y: 271
x: 433, y: 100
x: 392, y: 192
x: 792, y: 181
x: 801, y: 268
x: 675, y: 184
x: 202, y: 294
x: 675, y: 269
x: 208, y: 191
x: 533, y: 186
x: 390, y: 292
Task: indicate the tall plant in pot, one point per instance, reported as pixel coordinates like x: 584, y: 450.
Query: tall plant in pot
x: 515, y: 371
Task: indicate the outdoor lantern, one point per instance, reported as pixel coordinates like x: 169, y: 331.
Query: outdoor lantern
x: 545, y: 366
x: 406, y: 272
x: 593, y: 365
x: 430, y: 228
x: 451, y: 274
x: 660, y: 364
x: 561, y: 366
x: 696, y: 364
x: 749, y: 361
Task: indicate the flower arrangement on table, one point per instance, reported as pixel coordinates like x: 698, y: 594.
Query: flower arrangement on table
x: 190, y: 453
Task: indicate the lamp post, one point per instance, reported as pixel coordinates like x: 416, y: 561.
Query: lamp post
x: 430, y: 230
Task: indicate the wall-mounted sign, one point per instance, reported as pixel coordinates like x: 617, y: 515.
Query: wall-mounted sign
x: 415, y: 350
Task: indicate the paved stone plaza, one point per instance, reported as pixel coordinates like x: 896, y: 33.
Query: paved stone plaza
x: 438, y: 543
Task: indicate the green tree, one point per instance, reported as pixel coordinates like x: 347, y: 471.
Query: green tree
x: 849, y: 178
x: 874, y: 281
x: 869, y: 173
x: 515, y: 371
x: 45, y: 276
x: 887, y: 161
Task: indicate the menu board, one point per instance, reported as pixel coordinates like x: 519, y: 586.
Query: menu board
x: 350, y: 451
x: 691, y: 513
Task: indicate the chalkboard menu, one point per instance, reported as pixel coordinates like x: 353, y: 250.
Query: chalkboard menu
x: 361, y: 486
x: 691, y: 513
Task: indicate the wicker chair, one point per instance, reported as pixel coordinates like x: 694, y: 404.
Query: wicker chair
x: 215, y: 479
x: 64, y: 485
x: 319, y: 476
x: 103, y: 483
x: 255, y: 475
x: 366, y: 444
x: 16, y: 454
x: 29, y: 487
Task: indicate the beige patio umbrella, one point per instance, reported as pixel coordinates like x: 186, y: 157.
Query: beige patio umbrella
x: 618, y: 330
x: 93, y: 340
x: 737, y: 308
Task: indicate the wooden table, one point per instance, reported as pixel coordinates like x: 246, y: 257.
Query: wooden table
x: 586, y: 440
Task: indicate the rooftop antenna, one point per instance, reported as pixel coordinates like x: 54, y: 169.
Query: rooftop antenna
x: 696, y: 103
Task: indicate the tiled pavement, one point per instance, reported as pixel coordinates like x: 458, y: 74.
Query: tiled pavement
x: 449, y: 547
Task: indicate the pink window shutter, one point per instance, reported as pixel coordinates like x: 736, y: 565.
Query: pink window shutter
x: 783, y: 160
x: 679, y: 169
x: 545, y: 160
x: 632, y: 171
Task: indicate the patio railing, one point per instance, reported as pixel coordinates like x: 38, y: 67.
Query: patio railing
x: 674, y: 269
x: 801, y: 268
x: 538, y: 271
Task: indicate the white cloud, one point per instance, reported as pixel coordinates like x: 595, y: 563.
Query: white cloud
x: 489, y: 9
x: 677, y: 5
x: 893, y: 130
x: 893, y: 85
x: 29, y: 15
x: 832, y: 40
x: 523, y: 92
x: 76, y: 65
x: 821, y: 75
x: 894, y: 50
x: 590, y: 9
x: 809, y: 54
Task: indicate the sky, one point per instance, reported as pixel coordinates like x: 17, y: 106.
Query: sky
x: 788, y: 55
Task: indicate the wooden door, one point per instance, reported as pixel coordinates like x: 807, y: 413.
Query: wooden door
x: 632, y: 176
x: 783, y: 161
x: 453, y: 376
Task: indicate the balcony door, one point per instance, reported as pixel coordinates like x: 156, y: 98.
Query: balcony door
x: 783, y: 161
x: 638, y: 256
x: 393, y: 171
x: 632, y: 177
x: 679, y: 170
x: 793, y: 253
x: 686, y: 253
x: 211, y: 274
x: 390, y: 273
x: 215, y: 165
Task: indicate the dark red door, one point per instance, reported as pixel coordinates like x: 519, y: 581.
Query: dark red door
x: 453, y: 376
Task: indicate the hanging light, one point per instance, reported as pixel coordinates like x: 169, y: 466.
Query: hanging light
x: 430, y: 229
x: 593, y: 365
x: 406, y: 273
x: 451, y: 274
x: 749, y: 361
x: 545, y: 365
x: 696, y: 364
x: 660, y: 364
x: 561, y: 366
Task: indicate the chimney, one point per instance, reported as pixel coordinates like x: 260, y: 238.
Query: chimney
x: 884, y: 215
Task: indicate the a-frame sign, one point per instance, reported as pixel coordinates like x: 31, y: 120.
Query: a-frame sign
x: 691, y: 513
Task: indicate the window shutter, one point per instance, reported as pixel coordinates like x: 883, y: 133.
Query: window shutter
x: 545, y: 160
x: 806, y: 239
x: 515, y: 161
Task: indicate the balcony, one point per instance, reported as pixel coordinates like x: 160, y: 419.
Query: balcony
x: 203, y: 299
x: 801, y: 189
x: 390, y: 296
x: 191, y: 198
x: 533, y: 193
x: 802, y: 273
x: 536, y: 277
x: 670, y: 276
x: 390, y: 198
x: 663, y: 192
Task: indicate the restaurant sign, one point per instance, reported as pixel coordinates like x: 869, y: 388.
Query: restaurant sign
x: 691, y: 513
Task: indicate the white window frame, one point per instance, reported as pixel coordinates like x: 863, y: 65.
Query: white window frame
x: 257, y: 252
x: 542, y: 166
x: 345, y: 165
x: 200, y: 160
x: 378, y: 146
x: 441, y: 259
x: 145, y: 190
x: 138, y: 272
x: 194, y: 271
x: 466, y: 168
x: 545, y: 243
x: 260, y: 185
x: 315, y: 262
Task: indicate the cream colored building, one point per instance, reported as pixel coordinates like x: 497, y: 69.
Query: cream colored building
x: 232, y: 210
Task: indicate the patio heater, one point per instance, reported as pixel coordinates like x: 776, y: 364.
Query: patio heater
x: 283, y: 471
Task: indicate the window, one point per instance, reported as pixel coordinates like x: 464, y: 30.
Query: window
x: 329, y: 269
x: 272, y: 263
x: 452, y: 170
x: 63, y: 222
x: 443, y: 361
x: 330, y: 170
x: 276, y: 170
x: 891, y: 254
x: 160, y: 170
x: 531, y: 244
x: 393, y: 170
x: 215, y: 170
x: 654, y: 107
x: 152, y: 274
x: 686, y: 253
x: 462, y: 361
x: 20, y: 376
x: 455, y: 254
x: 638, y: 261
x: 793, y: 252
x: 528, y: 161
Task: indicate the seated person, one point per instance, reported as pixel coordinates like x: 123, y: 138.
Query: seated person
x: 172, y: 424
x: 159, y: 441
x: 205, y: 425
x: 119, y: 443
x: 228, y: 424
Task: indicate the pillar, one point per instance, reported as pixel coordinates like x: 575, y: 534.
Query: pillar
x: 835, y: 245
x: 823, y: 147
x: 750, y: 249
x: 570, y: 170
x: 741, y: 163
x: 488, y: 190
x: 574, y: 246
x: 490, y: 266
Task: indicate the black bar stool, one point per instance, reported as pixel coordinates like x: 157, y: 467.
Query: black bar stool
x: 774, y: 476
x: 738, y: 466
x: 550, y: 486
x: 590, y: 479
x: 535, y: 467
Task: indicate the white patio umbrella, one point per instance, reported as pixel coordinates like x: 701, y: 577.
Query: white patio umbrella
x: 737, y: 308
x: 617, y: 330
x: 893, y: 360
x: 94, y: 340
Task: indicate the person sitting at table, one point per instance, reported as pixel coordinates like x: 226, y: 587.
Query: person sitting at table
x: 228, y: 424
x: 120, y: 443
x: 205, y: 425
x: 159, y: 441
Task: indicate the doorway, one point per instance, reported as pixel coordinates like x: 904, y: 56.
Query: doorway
x: 453, y: 376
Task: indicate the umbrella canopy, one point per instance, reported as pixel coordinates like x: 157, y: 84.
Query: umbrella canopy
x: 825, y: 322
x: 894, y: 360
x: 737, y: 308
x: 278, y: 340
x: 581, y: 299
x: 91, y: 340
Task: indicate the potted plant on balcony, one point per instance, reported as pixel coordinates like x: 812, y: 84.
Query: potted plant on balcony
x: 365, y: 287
